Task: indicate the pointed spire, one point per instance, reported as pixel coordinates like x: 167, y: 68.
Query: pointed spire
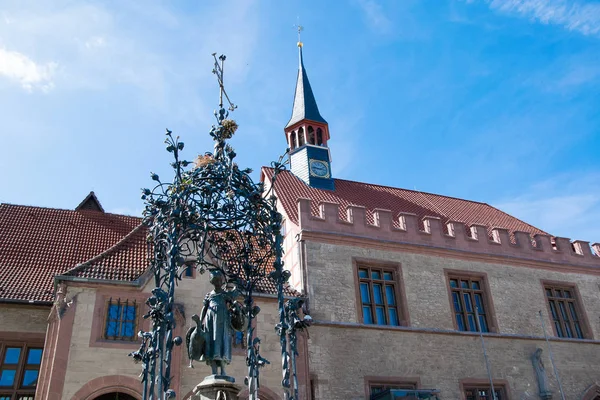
x: 305, y: 105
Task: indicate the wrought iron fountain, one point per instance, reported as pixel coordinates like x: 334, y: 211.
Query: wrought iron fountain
x: 212, y: 216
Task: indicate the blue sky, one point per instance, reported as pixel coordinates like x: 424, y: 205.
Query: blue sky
x: 491, y: 100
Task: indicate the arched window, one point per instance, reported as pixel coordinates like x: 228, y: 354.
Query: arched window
x: 300, y: 137
x: 311, y: 135
x: 293, y: 140
x: 319, y: 137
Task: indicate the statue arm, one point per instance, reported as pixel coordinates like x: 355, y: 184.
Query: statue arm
x: 204, y: 309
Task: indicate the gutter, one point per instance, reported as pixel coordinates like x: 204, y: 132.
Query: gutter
x: 59, y: 278
x: 27, y: 302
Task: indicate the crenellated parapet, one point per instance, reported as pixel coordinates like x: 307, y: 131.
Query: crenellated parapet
x: 407, y: 228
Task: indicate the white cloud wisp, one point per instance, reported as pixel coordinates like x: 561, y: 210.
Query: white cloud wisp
x: 20, y: 68
x: 565, y: 206
x: 572, y: 15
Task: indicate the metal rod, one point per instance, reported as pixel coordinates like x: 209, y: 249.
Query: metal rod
x: 562, y: 395
x: 221, y: 81
x: 487, y: 363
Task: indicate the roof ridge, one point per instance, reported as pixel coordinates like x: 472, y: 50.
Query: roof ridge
x: 105, y: 253
x: 68, y: 209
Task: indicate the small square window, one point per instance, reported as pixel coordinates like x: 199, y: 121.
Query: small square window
x: 121, y: 318
x: 189, y: 271
x: 239, y: 340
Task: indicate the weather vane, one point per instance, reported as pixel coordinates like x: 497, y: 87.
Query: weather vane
x: 219, y: 70
x: 300, y: 28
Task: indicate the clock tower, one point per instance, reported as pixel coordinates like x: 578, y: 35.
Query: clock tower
x: 307, y: 134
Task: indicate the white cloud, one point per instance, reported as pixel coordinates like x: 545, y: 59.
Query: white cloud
x: 573, y: 15
x: 566, y: 205
x: 375, y: 15
x: 154, y: 49
x: 20, y: 68
x: 96, y: 41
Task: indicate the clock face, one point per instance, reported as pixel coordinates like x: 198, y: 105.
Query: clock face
x: 319, y: 168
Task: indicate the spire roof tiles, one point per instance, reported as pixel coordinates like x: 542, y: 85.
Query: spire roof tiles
x: 305, y: 105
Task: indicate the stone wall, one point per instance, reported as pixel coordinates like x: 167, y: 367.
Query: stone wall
x: 90, y: 359
x: 23, y: 318
x: 343, y: 352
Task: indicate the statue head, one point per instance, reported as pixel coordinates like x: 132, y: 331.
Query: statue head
x: 217, y: 279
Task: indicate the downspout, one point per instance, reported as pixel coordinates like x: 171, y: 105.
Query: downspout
x: 301, y: 248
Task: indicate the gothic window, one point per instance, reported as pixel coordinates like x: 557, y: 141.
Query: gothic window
x: 19, y: 370
x: 120, y: 320
x: 378, y: 288
x: 565, y: 311
x: 293, y: 140
x: 311, y: 135
x: 319, y: 137
x: 469, y: 303
x: 300, y: 137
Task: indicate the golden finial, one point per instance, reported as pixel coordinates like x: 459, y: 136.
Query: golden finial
x: 300, y: 28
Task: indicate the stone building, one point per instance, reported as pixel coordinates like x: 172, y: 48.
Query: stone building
x: 410, y: 291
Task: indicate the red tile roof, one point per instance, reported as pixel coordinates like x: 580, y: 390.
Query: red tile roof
x: 289, y: 189
x: 37, y: 243
x: 127, y: 260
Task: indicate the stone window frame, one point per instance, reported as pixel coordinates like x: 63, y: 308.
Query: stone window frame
x: 470, y: 383
x: 24, y: 341
x: 488, y: 301
x: 579, y: 309
x: 396, y: 382
x: 399, y: 288
x: 121, y: 320
x: 97, y: 336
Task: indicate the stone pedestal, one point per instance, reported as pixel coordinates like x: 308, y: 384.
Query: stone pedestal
x: 216, y: 387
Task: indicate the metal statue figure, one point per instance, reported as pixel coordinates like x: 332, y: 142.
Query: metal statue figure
x: 221, y: 316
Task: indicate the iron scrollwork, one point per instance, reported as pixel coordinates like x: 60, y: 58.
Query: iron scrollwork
x: 212, y: 216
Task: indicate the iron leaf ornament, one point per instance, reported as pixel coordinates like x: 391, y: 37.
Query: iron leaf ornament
x: 211, y: 216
